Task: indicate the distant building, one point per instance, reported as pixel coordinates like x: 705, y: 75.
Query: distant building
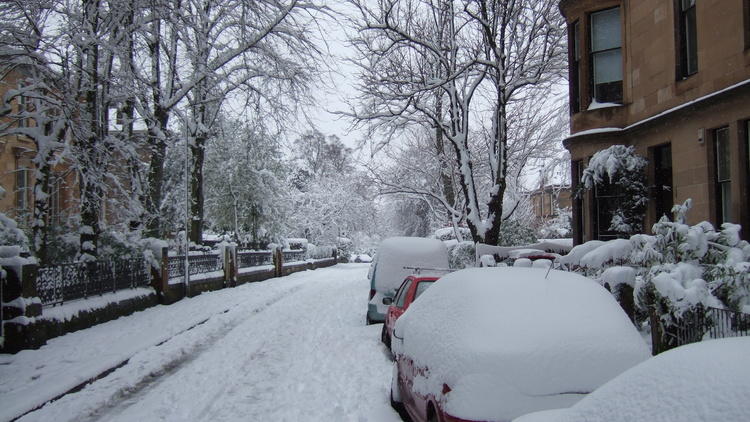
x: 672, y: 79
x: 17, y: 153
x: 548, y: 200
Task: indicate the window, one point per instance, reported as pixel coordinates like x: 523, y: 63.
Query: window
x: 688, y: 38
x: 54, y: 201
x: 574, y: 32
x: 661, y: 191
x: 22, y: 190
x: 606, y: 199
x: 401, y: 296
x: 723, y: 175
x: 23, y: 107
x: 421, y: 287
x: 606, y: 56
x: 120, y: 117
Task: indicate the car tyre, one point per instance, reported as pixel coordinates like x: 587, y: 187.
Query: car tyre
x: 368, y: 321
x: 385, y: 338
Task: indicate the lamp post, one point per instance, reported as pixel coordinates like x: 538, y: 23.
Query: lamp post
x: 187, y: 212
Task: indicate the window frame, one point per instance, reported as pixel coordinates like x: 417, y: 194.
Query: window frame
x: 574, y: 40
x: 401, y: 296
x: 657, y: 187
x: 592, y: 55
x: 684, y: 49
x: 723, y: 203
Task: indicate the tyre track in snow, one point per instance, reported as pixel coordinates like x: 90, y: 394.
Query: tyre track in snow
x: 94, y: 399
x: 307, y: 356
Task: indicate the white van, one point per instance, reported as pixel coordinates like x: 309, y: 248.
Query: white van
x: 387, y: 271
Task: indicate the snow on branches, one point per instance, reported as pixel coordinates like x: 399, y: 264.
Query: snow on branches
x: 620, y: 172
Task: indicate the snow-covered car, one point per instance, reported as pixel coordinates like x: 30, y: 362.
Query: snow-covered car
x: 707, y: 381
x: 396, y: 259
x: 410, y: 290
x: 491, y: 344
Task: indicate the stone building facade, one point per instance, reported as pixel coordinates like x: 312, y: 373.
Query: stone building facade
x: 672, y: 79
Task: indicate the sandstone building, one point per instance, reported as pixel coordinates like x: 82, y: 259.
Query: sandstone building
x: 672, y: 79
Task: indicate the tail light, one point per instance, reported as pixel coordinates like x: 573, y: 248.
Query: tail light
x: 372, y: 294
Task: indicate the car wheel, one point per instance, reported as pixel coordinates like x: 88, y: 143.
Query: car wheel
x: 368, y: 321
x: 385, y: 338
x: 432, y: 414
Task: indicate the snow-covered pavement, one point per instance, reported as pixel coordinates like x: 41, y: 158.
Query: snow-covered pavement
x: 292, y: 348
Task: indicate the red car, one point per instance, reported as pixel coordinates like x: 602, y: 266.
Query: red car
x: 409, y: 291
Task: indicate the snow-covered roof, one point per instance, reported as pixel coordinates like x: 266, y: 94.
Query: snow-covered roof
x: 707, y: 381
x: 508, y: 341
x: 395, y: 253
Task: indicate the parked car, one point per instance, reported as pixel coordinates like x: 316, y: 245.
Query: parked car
x: 409, y: 291
x: 396, y: 259
x: 706, y: 381
x: 491, y: 344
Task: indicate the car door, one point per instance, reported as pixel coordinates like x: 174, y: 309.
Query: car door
x: 396, y: 309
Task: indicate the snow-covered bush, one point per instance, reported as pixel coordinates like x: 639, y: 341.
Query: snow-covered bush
x: 621, y: 172
x: 344, y: 247
x: 318, y: 252
x: 676, y: 273
x: 558, y: 227
x: 462, y: 255
x: 515, y: 233
x: 11, y: 235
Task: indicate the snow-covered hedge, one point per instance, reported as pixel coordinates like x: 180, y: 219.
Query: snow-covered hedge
x: 318, y: 252
x: 676, y: 271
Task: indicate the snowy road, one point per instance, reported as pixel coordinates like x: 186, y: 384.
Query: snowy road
x: 287, y: 349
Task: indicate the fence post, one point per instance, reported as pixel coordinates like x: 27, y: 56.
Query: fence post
x: 656, y: 334
x: 160, y: 276
x: 21, y: 306
x: 230, y: 267
x: 278, y: 262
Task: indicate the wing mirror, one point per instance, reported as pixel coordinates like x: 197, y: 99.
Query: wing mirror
x: 387, y: 300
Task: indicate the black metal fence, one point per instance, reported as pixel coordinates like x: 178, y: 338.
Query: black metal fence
x: 294, y: 255
x: 254, y: 258
x: 199, y: 264
x: 710, y: 323
x: 60, y: 283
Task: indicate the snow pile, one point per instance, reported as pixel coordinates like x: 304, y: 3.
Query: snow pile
x: 707, y: 381
x: 614, y: 251
x: 500, y: 358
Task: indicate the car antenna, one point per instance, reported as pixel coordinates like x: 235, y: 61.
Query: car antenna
x: 548, y: 270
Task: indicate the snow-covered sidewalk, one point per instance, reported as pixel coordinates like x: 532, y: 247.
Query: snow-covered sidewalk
x: 289, y: 348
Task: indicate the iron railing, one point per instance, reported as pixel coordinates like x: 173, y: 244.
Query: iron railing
x: 199, y: 264
x: 60, y: 283
x: 254, y: 258
x: 710, y: 323
x: 292, y: 255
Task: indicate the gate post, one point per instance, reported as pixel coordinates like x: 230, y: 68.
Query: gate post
x: 21, y: 306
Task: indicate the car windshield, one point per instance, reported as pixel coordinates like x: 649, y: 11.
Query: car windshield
x: 401, y: 295
x: 421, y: 287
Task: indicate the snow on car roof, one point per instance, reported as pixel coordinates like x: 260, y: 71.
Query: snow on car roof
x: 707, y: 381
x: 523, y: 334
x: 395, y: 253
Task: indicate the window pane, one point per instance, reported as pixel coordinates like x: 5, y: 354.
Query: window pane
x: 687, y: 3
x: 608, y: 66
x: 605, y: 29
x: 402, y: 296
x: 421, y: 287
x: 726, y: 202
x: 691, y: 42
x: 722, y: 155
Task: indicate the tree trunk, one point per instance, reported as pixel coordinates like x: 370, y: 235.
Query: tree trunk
x: 198, y: 149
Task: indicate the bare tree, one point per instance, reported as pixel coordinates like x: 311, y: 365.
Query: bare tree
x: 502, y: 47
